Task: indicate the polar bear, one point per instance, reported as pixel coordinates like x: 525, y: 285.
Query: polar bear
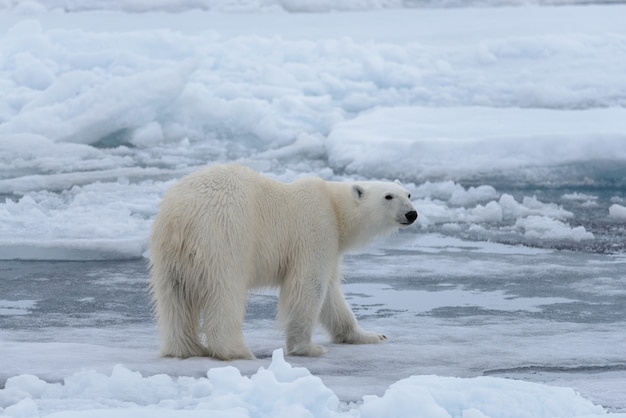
x: 223, y: 230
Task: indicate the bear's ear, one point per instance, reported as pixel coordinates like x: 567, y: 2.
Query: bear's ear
x: 397, y: 182
x: 357, y: 191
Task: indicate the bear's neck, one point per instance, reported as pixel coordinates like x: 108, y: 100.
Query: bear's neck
x: 353, y: 225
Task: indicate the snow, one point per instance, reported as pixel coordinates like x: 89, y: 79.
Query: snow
x: 281, y: 390
x: 507, y: 124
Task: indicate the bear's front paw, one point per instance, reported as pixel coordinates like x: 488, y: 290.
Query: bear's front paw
x: 307, y: 350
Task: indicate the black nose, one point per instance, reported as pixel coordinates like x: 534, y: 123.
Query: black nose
x: 411, y: 216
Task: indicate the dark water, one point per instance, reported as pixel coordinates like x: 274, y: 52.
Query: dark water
x: 603, y: 181
x: 75, y: 294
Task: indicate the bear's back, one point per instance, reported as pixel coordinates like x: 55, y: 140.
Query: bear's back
x: 237, y: 203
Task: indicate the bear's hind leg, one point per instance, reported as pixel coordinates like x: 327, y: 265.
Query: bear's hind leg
x: 339, y: 321
x: 222, y: 324
x: 177, y: 319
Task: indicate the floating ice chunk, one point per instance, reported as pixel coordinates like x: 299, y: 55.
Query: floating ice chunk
x: 590, y: 204
x: 472, y: 195
x: 456, y: 194
x: 491, y: 212
x: 530, y: 206
x: 147, y: 135
x: 543, y: 227
x: 434, y: 211
x: 579, y: 196
x: 617, y: 212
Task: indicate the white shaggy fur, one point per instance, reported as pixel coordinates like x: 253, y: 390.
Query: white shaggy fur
x: 226, y: 229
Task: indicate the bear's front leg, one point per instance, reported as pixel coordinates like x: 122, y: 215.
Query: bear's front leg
x: 339, y: 321
x: 299, y: 306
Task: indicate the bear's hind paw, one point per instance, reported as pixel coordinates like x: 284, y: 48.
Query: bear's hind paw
x: 241, y: 354
x: 361, y: 337
x: 309, y: 350
x: 183, y: 351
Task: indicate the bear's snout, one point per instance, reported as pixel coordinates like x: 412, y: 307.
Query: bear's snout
x: 410, y: 216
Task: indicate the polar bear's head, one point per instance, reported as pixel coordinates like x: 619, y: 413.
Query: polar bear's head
x: 382, y: 208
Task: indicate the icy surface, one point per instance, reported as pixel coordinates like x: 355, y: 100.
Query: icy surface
x: 449, y: 307
x: 507, y: 124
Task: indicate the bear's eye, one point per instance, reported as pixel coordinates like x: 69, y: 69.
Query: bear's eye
x: 388, y: 197
x: 409, y: 196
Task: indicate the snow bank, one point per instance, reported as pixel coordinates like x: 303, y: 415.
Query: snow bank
x: 280, y: 390
x: 434, y: 396
x: 418, y: 142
